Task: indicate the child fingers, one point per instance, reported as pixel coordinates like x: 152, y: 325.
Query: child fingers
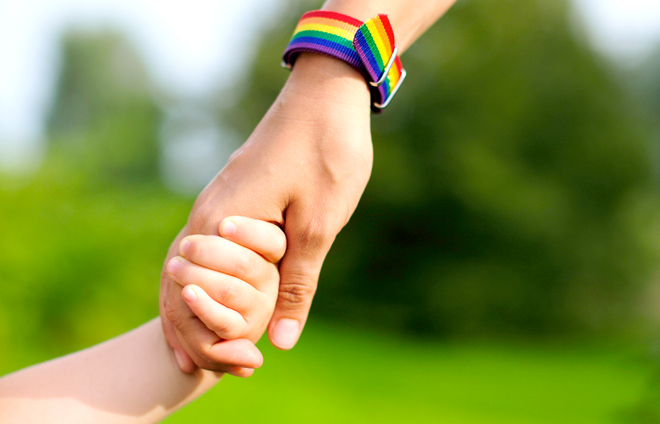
x: 210, y: 352
x: 225, y: 256
x: 263, y: 237
x: 222, y: 288
x: 225, y: 322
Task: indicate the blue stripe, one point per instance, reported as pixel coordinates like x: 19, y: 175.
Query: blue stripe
x: 359, y: 37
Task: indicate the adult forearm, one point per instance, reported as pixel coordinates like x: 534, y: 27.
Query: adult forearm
x: 409, y: 18
x: 305, y: 167
x: 132, y: 378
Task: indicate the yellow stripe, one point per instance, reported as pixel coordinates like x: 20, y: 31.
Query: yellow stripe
x: 393, y: 76
x: 341, y: 32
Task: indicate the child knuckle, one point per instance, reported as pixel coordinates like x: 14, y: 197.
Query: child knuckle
x: 244, y: 266
x: 186, y: 274
x: 224, y: 329
x: 232, y: 332
x: 228, y: 293
x: 195, y: 249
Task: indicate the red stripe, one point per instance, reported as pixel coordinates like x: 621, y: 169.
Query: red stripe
x: 397, y: 63
x: 333, y: 15
x: 388, y: 28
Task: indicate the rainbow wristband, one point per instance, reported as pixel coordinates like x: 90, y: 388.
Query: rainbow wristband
x: 367, y: 46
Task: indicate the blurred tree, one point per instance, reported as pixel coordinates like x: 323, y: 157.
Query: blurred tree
x: 647, y: 81
x: 103, y: 115
x: 512, y: 184
x: 84, y: 238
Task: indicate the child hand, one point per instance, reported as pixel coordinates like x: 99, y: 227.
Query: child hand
x: 230, y: 285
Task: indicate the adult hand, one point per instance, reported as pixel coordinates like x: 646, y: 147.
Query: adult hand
x: 304, y: 167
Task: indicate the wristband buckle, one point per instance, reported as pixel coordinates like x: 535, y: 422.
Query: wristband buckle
x: 378, y: 52
x: 383, y: 78
x: 386, y: 71
x: 387, y: 101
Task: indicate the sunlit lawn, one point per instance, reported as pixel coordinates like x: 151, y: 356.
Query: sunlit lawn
x: 336, y: 375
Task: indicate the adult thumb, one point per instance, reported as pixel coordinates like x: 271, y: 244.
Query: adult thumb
x: 299, y: 274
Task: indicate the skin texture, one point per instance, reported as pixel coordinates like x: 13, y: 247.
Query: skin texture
x: 305, y: 168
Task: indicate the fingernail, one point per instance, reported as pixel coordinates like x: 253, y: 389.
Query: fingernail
x: 185, y: 244
x: 179, y: 359
x: 173, y: 266
x: 189, y: 294
x: 228, y: 228
x: 286, y: 333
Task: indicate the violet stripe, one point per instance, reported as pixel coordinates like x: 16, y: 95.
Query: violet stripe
x: 315, y: 47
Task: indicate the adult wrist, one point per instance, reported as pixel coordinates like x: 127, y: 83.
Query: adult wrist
x: 369, y: 47
x: 324, y: 79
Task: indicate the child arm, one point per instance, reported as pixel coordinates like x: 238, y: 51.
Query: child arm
x: 134, y: 378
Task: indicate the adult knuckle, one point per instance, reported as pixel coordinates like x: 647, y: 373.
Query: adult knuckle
x: 316, y: 233
x: 296, y: 291
x: 174, y: 314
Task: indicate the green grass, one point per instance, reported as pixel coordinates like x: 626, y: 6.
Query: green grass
x: 339, y: 375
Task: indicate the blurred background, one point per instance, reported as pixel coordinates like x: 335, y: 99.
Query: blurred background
x: 503, y: 264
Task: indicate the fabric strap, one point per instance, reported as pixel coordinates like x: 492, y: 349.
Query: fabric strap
x: 367, y: 46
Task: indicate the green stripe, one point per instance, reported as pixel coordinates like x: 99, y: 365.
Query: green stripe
x: 326, y: 36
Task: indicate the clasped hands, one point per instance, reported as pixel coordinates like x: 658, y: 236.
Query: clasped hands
x: 304, y: 168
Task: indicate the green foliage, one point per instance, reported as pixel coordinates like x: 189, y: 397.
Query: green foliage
x: 80, y: 260
x: 512, y: 189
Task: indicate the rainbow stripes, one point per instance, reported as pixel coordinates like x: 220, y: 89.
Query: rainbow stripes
x: 325, y: 32
x: 369, y: 47
x: 374, y: 43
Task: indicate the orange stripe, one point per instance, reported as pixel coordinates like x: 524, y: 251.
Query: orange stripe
x: 326, y: 21
x: 385, y: 39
